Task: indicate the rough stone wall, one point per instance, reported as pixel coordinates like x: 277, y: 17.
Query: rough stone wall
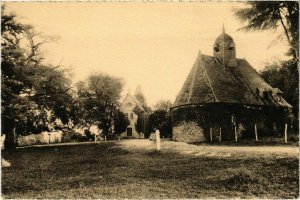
x: 188, y: 132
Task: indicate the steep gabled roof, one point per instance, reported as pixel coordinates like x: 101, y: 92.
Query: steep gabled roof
x: 130, y: 98
x: 210, y: 81
x: 196, y: 87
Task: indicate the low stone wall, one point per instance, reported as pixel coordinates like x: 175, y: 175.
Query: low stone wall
x: 188, y: 132
x: 42, y: 138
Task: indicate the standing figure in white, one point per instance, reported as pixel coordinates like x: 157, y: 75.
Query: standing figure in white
x: 4, y: 163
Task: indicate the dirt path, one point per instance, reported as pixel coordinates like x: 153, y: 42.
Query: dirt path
x: 213, y: 151
x: 201, y: 150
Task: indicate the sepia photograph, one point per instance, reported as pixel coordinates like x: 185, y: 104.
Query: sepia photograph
x: 149, y: 99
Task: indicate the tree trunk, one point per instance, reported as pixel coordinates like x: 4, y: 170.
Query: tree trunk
x: 10, y: 140
x: 287, y: 31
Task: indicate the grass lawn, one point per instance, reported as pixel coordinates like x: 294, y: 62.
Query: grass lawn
x: 106, y: 170
x: 293, y: 140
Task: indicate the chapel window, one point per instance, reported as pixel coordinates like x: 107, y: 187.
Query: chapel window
x: 257, y: 91
x: 231, y: 47
x: 265, y: 95
x: 216, y: 49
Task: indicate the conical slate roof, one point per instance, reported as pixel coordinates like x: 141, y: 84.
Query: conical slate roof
x: 210, y: 81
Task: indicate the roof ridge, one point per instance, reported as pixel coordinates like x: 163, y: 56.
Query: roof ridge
x: 128, y: 95
x: 193, y: 80
x: 138, y: 103
x: 124, y: 98
x: 208, y: 80
x: 246, y: 81
x: 259, y: 77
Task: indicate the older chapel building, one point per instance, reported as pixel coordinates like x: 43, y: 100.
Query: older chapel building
x: 128, y: 107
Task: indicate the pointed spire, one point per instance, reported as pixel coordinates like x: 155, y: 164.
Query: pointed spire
x: 223, y: 29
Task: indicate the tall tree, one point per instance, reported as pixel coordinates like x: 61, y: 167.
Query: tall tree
x: 269, y: 15
x: 143, y: 116
x: 163, y: 105
x: 142, y: 120
x: 161, y: 118
x: 98, y: 98
x: 30, y: 89
x: 285, y: 76
x: 120, y: 122
x: 139, y: 96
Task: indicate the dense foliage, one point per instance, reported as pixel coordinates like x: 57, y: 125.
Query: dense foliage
x: 161, y: 119
x: 33, y: 94
x: 142, y: 111
x: 37, y: 96
x: 120, y: 122
x: 269, y: 15
x: 283, y: 18
x: 98, y: 101
x: 285, y: 76
x: 139, y: 96
x: 163, y: 105
x: 142, y: 120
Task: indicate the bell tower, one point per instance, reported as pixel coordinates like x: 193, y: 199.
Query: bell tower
x: 224, y: 49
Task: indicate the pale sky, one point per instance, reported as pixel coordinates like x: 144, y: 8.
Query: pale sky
x: 150, y: 44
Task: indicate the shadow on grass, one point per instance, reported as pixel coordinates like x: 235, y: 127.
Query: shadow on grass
x: 264, y: 141
x: 107, y: 171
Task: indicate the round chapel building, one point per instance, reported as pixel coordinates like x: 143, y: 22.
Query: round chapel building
x: 224, y: 98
